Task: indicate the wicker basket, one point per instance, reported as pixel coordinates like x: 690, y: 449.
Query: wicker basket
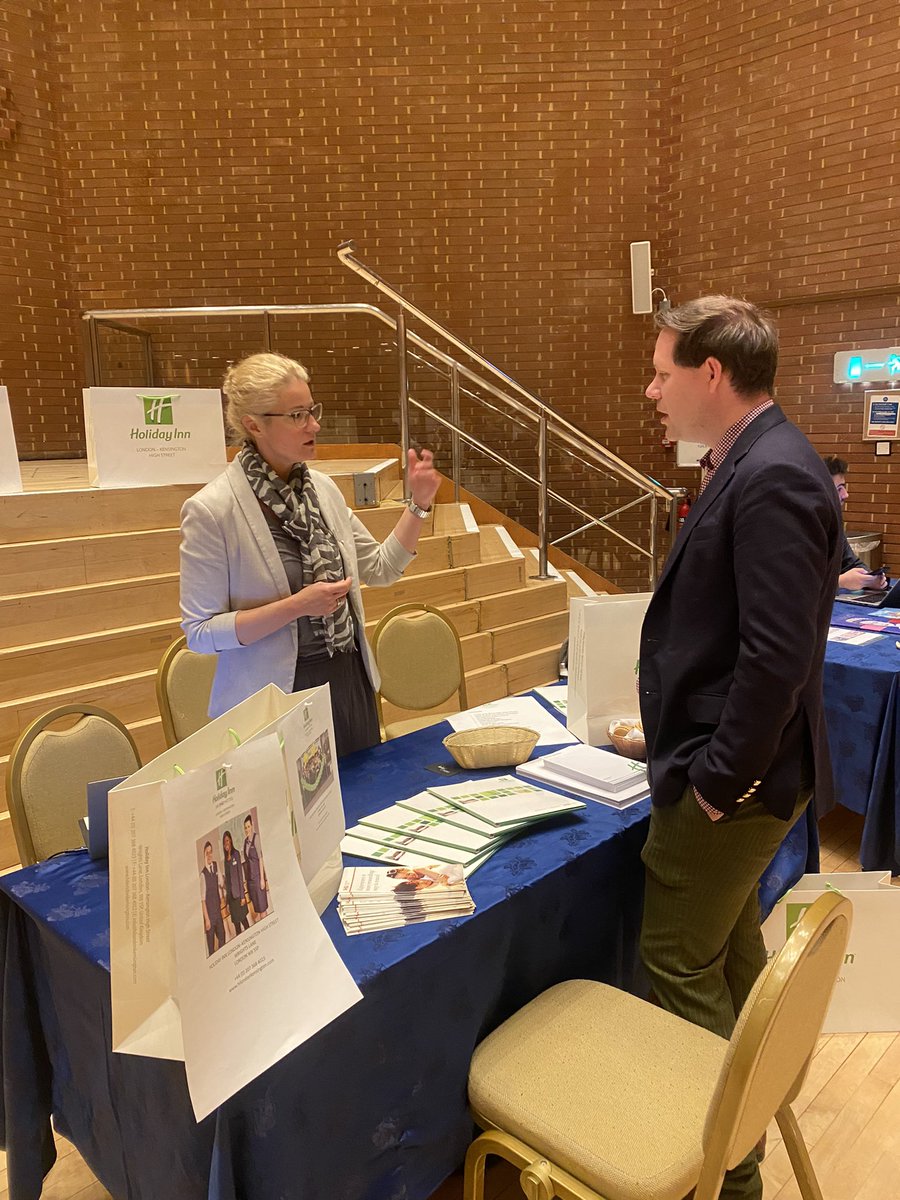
x: 629, y: 747
x: 492, y: 746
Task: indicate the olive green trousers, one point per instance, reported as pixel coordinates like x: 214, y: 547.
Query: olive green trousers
x: 700, y: 941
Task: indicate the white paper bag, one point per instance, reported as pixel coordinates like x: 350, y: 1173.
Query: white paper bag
x: 146, y: 1019
x: 604, y: 643
x: 266, y: 967
x: 867, y: 996
x: 10, y: 475
x: 144, y: 437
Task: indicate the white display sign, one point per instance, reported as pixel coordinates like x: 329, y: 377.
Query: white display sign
x: 248, y: 943
x: 143, y: 437
x: 867, y: 996
x: 154, y: 886
x: 10, y: 476
x: 604, y: 645
x: 688, y: 454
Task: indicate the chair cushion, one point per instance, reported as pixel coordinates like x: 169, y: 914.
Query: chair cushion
x: 56, y: 771
x: 418, y: 660
x: 188, y: 688
x: 609, y: 1087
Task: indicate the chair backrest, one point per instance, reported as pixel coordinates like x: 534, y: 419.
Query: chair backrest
x: 775, y: 1036
x: 419, y: 658
x: 183, y: 684
x: 49, y: 771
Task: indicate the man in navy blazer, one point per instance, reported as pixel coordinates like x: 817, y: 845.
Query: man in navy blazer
x: 732, y: 651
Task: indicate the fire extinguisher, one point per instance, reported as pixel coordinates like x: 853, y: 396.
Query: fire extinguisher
x: 684, y: 507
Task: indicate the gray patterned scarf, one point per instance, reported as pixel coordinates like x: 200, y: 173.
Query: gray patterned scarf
x: 296, y: 506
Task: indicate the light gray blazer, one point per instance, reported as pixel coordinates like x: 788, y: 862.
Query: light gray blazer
x: 229, y: 562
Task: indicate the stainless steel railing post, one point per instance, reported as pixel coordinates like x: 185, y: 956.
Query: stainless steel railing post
x: 543, y: 513
x: 654, y: 515
x: 403, y: 383
x: 454, y: 437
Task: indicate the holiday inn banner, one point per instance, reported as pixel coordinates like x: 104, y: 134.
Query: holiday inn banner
x: 10, y: 476
x: 139, y: 437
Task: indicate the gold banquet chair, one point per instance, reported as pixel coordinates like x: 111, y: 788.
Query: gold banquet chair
x: 183, y: 684
x: 420, y: 660
x: 592, y: 1093
x: 49, y: 770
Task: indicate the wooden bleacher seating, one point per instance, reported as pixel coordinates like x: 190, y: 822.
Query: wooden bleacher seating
x: 90, y: 597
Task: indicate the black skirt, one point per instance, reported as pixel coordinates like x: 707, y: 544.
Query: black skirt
x: 352, y: 699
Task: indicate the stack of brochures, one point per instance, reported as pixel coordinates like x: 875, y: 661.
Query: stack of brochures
x: 588, y: 771
x: 372, y: 898
x: 460, y: 823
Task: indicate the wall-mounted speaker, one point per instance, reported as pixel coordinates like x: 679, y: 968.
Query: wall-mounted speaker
x: 641, y: 286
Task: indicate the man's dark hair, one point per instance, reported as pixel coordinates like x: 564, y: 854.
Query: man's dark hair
x: 835, y: 465
x: 735, y: 332
x: 208, y: 846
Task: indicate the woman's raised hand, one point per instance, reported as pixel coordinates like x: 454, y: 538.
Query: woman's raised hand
x: 422, y: 478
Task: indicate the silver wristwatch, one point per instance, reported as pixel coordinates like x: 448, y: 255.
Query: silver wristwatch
x: 416, y: 511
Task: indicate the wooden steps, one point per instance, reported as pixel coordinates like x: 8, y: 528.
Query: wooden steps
x: 381, y: 477
x: 87, y: 608
x: 39, y: 667
x: 90, y: 599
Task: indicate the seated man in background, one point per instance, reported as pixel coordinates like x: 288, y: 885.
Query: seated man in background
x: 854, y: 572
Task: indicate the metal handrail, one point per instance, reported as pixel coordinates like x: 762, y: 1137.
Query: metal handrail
x: 547, y: 418
x: 525, y: 403
x: 623, y: 469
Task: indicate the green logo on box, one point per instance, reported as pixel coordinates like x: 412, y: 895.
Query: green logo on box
x: 221, y: 779
x: 158, y: 409
x: 793, y: 913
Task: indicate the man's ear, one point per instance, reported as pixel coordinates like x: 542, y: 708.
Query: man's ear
x: 715, y: 372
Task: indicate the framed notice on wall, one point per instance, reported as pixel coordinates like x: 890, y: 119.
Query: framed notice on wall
x: 688, y: 454
x: 10, y: 476
x: 143, y: 437
x: 882, y: 416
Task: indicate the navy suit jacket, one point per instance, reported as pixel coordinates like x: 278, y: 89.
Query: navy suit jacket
x: 733, y: 643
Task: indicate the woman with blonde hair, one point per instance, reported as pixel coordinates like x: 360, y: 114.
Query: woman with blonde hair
x: 272, y: 559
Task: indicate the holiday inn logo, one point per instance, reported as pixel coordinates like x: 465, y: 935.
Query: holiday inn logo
x: 158, y: 409
x: 221, y: 779
x: 158, y: 412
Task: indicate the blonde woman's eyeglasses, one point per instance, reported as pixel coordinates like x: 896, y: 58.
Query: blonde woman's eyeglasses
x: 299, y: 416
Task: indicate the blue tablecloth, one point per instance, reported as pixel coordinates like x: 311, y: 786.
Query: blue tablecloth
x: 863, y: 717
x: 861, y: 706
x: 373, y: 1107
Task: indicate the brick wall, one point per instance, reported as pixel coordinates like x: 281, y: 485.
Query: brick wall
x: 38, y: 355
x: 492, y: 159
x: 782, y: 189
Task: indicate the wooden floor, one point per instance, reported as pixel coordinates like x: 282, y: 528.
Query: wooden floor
x: 849, y: 1110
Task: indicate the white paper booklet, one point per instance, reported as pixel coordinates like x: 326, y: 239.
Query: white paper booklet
x: 387, y: 854
x: 516, y: 710
x: 248, y: 943
x: 604, y: 769
x: 372, y: 898
x: 429, y: 828
x: 505, y: 800
x: 540, y: 773
x: 409, y: 841
x: 557, y: 695
x: 851, y: 636
x: 407, y: 858
x: 431, y: 805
